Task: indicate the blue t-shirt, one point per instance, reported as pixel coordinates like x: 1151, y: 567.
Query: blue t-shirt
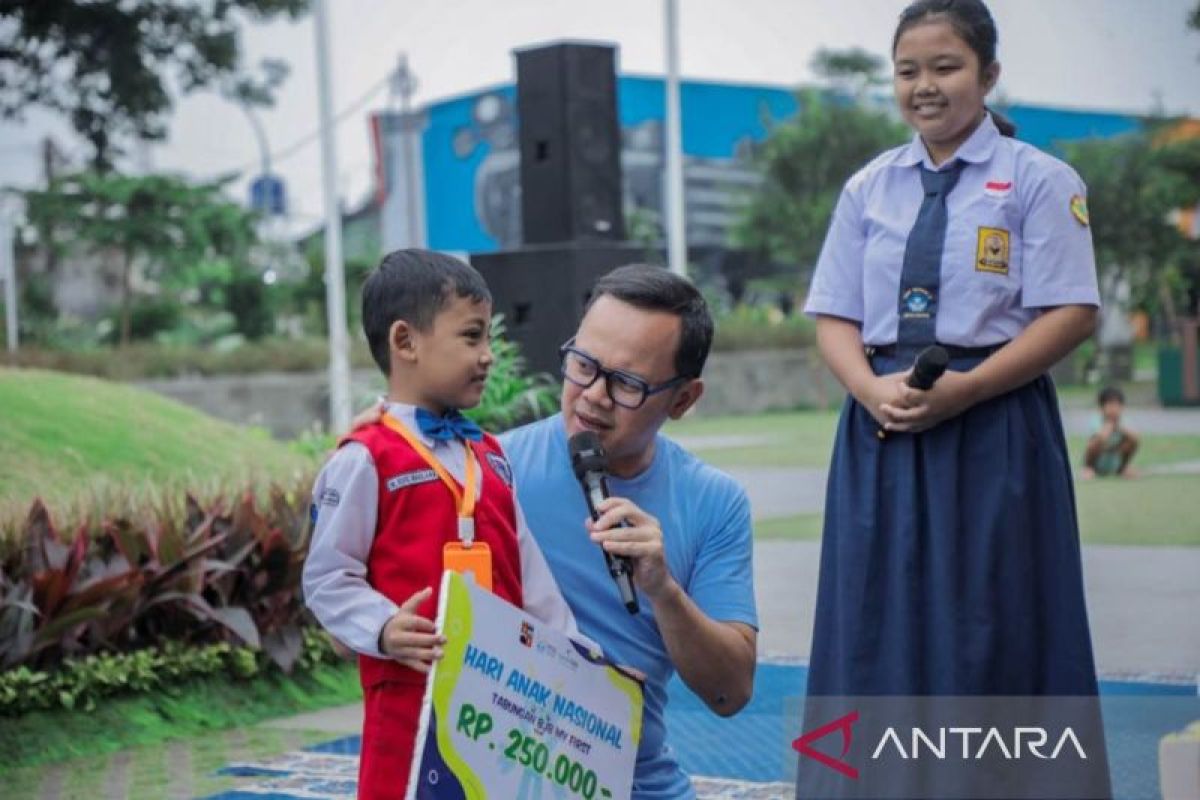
x: 705, y: 519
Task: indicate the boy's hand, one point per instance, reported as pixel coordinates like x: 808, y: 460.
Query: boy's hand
x: 411, y: 639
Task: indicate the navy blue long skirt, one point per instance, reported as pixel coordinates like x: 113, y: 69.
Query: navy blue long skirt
x: 950, y: 566
x: 950, y: 562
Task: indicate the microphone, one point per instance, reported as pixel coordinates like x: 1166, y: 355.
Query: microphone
x: 928, y: 367
x: 590, y: 463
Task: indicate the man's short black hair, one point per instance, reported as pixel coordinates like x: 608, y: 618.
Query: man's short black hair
x: 413, y: 285
x: 658, y: 289
x: 1110, y: 393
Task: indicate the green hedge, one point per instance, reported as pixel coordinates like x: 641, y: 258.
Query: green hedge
x: 80, y: 683
x: 745, y: 327
x: 141, y: 361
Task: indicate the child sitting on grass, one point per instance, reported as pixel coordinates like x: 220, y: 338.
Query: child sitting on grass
x: 1111, y: 446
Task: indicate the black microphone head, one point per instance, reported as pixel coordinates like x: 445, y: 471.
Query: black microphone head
x: 587, y: 454
x: 929, y: 366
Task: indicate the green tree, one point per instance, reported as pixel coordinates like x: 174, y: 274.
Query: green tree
x: 805, y: 162
x: 855, y: 69
x: 110, y: 65
x: 1133, y: 188
x: 179, y: 233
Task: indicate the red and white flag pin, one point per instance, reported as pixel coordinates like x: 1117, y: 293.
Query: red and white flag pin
x: 997, y: 188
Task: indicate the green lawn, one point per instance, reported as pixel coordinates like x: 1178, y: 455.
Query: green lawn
x: 1154, y: 509
x: 65, y: 436
x: 1159, y: 510
x: 180, y: 767
x: 196, y: 708
x: 1153, y: 450
x: 786, y: 439
x: 797, y: 526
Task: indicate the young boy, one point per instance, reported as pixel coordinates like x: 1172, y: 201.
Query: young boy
x: 402, y: 499
x: 1111, y: 446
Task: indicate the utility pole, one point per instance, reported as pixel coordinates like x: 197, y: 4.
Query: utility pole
x: 8, y: 273
x: 335, y: 281
x: 676, y: 230
x: 404, y: 86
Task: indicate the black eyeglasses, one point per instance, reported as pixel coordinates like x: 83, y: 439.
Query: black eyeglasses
x: 627, y: 391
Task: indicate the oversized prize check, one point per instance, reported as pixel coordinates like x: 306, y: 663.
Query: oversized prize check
x: 515, y: 709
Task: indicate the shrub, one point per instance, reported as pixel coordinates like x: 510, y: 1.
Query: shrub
x: 512, y: 396
x: 78, y: 683
x: 171, y: 359
x: 192, y: 572
x: 762, y: 327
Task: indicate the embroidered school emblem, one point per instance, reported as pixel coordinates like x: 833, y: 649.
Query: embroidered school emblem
x: 915, y: 303
x: 1079, y: 210
x: 991, y: 251
x: 501, y: 468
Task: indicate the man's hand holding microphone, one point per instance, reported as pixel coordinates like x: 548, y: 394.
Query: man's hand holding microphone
x: 632, y: 540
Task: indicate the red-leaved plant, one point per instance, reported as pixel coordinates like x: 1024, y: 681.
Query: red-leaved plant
x: 214, y: 571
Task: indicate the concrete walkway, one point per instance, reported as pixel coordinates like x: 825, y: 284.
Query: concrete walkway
x: 1137, y: 596
x: 1141, y: 603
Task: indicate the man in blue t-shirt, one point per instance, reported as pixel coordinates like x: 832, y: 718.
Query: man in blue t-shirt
x: 634, y: 363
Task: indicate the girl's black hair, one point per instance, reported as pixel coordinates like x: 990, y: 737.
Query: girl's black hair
x: 973, y: 23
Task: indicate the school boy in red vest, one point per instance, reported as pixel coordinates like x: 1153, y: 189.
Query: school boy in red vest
x: 420, y: 490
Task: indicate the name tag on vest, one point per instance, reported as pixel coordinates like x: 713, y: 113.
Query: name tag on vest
x: 410, y: 479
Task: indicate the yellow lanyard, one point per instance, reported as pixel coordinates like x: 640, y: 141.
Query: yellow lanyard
x: 464, y: 500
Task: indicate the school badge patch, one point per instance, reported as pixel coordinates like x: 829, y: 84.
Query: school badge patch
x: 1079, y: 210
x: 916, y: 303
x: 991, y: 251
x: 501, y: 468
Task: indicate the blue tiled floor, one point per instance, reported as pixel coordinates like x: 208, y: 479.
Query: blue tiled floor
x: 742, y: 746
x: 755, y: 745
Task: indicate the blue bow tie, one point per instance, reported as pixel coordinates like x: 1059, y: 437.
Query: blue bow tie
x: 447, y: 427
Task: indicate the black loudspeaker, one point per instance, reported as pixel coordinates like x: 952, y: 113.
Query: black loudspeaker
x: 541, y: 291
x: 570, y: 144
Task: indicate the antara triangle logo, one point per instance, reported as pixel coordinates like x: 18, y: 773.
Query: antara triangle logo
x: 803, y: 744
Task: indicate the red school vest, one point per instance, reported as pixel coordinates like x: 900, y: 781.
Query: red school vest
x: 417, y: 516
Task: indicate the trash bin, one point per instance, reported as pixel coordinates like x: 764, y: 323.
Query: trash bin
x: 1179, y: 368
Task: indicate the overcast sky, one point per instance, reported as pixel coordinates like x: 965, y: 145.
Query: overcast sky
x: 1123, y: 55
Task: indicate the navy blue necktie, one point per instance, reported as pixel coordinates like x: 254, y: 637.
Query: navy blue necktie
x: 921, y: 275
x: 449, y: 426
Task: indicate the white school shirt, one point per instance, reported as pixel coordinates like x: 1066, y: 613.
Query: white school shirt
x: 345, y: 500
x: 1017, y: 241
